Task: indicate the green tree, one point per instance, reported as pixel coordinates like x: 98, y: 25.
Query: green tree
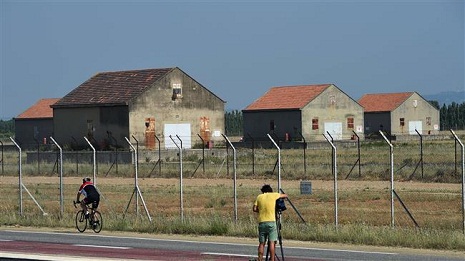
x: 7, y: 128
x: 452, y: 116
x: 435, y: 104
x: 233, y: 123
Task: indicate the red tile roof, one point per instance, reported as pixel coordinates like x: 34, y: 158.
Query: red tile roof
x: 39, y: 110
x: 116, y: 88
x: 383, y: 102
x: 287, y: 97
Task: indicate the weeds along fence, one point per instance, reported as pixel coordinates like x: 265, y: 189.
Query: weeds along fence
x: 428, y: 179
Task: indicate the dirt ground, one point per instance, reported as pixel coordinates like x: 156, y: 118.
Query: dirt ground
x: 293, y: 184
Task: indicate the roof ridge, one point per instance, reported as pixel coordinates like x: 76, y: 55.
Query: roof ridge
x: 137, y: 70
x: 390, y: 93
x: 303, y: 85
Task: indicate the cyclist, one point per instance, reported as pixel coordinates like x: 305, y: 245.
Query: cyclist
x: 90, y: 193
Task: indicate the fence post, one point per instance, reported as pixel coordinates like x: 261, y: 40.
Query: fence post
x: 253, y: 154
x: 38, y: 156
x: 93, y: 160
x: 21, y: 185
x: 61, y: 177
x: 334, y: 168
x: 279, y: 161
x: 305, y: 157
x: 235, y: 176
x: 20, y: 181
x: 181, y: 200
x: 2, y: 156
x: 77, y: 155
x: 203, y: 153
x: 391, y: 159
x: 463, y: 179
x: 136, y: 191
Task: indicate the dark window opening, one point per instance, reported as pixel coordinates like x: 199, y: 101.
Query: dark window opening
x: 350, y: 123
x: 315, y: 124
x: 177, y: 91
x: 272, y: 125
x: 428, y: 121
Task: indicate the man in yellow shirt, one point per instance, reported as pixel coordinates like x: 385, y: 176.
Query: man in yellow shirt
x: 265, y: 206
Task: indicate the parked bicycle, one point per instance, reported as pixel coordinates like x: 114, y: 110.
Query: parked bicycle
x: 93, y: 220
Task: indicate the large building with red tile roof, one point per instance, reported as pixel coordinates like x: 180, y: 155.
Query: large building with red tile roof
x: 399, y: 114
x: 308, y: 111
x: 148, y: 104
x: 35, y: 124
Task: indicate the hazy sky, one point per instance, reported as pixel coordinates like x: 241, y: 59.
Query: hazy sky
x: 237, y: 49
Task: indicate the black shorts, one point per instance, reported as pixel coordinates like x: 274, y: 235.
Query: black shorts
x: 94, y: 202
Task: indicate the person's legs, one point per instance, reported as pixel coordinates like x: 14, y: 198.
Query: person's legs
x: 84, y: 206
x: 272, y: 247
x: 261, y: 249
x: 262, y: 237
x: 272, y: 238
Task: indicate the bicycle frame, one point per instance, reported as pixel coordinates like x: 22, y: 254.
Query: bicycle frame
x: 94, y: 218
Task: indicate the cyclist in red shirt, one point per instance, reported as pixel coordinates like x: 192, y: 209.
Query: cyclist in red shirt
x: 90, y: 193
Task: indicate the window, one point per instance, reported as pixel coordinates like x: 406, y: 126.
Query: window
x: 315, y: 124
x: 402, y: 122
x: 272, y: 125
x: 350, y: 123
x: 428, y: 121
x: 90, y: 129
x: 177, y: 91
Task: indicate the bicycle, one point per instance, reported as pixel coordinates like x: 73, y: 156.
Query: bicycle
x: 94, y: 220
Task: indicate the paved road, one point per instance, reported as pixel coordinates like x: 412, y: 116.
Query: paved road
x: 38, y: 245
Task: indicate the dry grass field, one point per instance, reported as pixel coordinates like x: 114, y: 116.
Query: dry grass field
x: 433, y: 205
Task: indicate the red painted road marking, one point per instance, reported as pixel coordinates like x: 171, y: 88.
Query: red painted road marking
x: 107, y: 252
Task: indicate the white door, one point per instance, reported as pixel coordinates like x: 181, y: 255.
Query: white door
x: 414, y: 125
x: 335, y: 129
x: 182, y: 130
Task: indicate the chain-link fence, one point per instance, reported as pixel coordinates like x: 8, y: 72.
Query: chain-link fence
x: 428, y: 176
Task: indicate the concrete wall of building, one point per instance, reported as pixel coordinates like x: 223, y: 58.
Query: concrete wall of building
x: 276, y: 123
x: 332, y: 106
x: 194, y: 105
x: 103, y: 126
x: 30, y: 132
x: 415, y: 110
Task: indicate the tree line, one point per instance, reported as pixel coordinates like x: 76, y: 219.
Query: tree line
x: 7, y: 128
x: 452, y: 116
x: 233, y: 123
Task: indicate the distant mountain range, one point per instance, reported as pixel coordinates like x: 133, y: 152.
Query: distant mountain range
x: 446, y: 97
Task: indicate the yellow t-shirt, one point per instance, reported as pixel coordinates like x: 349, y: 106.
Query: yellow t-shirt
x: 266, y: 203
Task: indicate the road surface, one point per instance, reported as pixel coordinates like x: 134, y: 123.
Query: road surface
x: 27, y: 244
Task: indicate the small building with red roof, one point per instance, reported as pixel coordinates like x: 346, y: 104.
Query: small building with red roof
x: 35, y: 125
x: 399, y: 114
x: 303, y: 112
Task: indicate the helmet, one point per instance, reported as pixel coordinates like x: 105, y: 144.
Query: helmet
x: 85, y: 179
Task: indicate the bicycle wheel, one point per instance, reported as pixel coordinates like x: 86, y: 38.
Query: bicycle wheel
x: 81, y: 222
x: 97, y: 222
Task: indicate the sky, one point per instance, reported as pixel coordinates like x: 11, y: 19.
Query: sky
x: 236, y: 49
